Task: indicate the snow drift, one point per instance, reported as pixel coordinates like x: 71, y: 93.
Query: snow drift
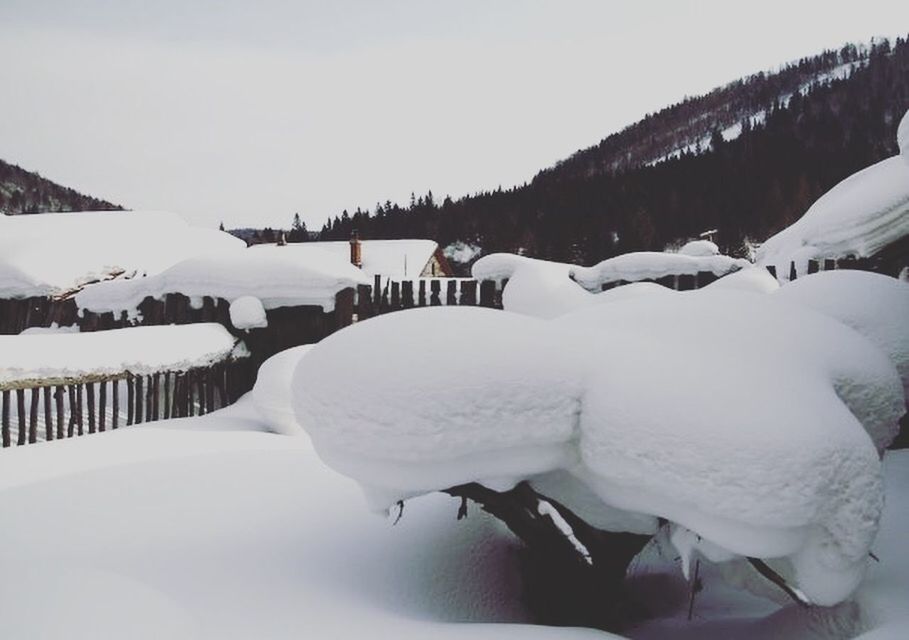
x: 723, y: 411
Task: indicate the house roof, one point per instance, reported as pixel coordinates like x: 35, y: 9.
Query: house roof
x: 52, y: 253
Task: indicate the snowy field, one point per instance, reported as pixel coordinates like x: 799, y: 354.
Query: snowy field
x: 210, y: 528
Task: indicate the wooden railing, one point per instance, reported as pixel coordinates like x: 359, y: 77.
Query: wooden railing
x: 52, y: 409
x: 874, y: 265
x: 395, y: 295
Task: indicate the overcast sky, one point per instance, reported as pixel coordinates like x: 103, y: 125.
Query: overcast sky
x: 247, y: 112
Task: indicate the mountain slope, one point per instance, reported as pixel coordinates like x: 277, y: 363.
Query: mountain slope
x: 788, y: 137
x: 23, y: 191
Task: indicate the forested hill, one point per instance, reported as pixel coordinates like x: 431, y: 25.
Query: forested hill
x: 23, y: 191
x: 746, y: 159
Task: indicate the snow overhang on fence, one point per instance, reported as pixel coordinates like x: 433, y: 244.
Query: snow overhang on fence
x: 859, y: 217
x: 652, y: 265
x: 55, y: 253
x: 42, y: 359
x: 277, y: 276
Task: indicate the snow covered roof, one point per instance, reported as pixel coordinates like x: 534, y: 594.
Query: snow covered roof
x: 860, y: 216
x: 277, y: 277
x: 39, y: 358
x: 51, y: 253
x: 390, y: 258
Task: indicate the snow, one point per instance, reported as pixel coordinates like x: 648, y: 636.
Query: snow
x: 469, y: 399
x: 195, y: 529
x: 902, y: 136
x: 682, y: 429
x: 535, y: 287
x: 462, y: 252
x: 33, y: 358
x: 860, y: 216
x: 876, y: 306
x: 277, y: 276
x: 274, y: 544
x: 652, y: 265
x: 395, y: 259
x: 52, y: 253
x: 247, y: 312
x: 271, y: 394
x: 700, y: 249
x: 756, y: 279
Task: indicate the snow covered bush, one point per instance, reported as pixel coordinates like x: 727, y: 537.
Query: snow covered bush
x: 723, y: 412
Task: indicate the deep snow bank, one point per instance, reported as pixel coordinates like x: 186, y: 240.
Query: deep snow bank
x: 726, y: 412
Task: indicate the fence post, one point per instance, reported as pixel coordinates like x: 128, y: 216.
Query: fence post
x: 48, y: 417
x: 395, y: 296
x: 435, y: 290
x: 488, y: 293
x: 793, y: 274
x: 58, y: 400
x: 771, y: 269
x: 377, y: 291
x: 364, y: 302
x: 344, y: 307
x: 705, y: 277
x: 469, y: 292
x: 33, y: 416
x: 829, y: 264
x: 407, y: 294
x: 686, y: 282
x: 421, y: 300
x: 4, y: 418
x: 813, y: 266
x: 90, y: 398
x: 451, y: 293
x: 20, y: 414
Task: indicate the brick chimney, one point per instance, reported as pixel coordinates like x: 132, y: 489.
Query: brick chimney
x: 356, y: 250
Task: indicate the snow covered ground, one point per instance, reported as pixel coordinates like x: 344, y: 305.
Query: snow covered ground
x: 209, y: 528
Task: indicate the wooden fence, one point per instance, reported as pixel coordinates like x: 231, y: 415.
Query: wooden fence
x: 875, y: 265
x: 410, y: 294
x: 19, y: 314
x: 33, y: 411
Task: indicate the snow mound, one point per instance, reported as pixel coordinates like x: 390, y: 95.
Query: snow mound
x: 861, y: 215
x: 756, y: 279
x: 876, y: 306
x: 536, y: 288
x: 755, y: 463
x: 652, y: 265
x: 499, y: 400
x: 271, y: 394
x: 725, y: 412
x: 247, y: 312
x: 52, y: 253
x: 276, y: 277
x: 700, y: 249
x: 42, y: 357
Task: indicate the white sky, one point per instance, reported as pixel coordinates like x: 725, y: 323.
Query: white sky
x: 249, y: 111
